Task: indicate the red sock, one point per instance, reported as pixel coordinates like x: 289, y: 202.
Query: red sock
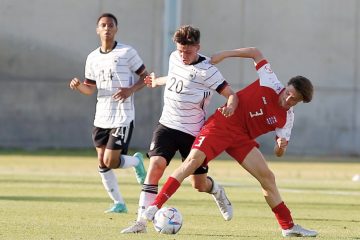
x: 283, y: 216
x: 169, y: 188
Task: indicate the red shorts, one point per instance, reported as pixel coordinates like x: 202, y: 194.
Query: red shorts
x: 215, y: 137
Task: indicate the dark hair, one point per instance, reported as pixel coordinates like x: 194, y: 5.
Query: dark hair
x: 303, y: 86
x: 107, y: 15
x: 187, y: 35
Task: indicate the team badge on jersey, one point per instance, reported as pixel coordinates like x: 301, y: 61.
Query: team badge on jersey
x: 268, y: 68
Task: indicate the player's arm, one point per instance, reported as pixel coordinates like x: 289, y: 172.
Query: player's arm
x: 123, y: 93
x: 152, y: 81
x: 232, y: 101
x: 249, y: 52
x: 76, y: 84
x: 280, y: 147
x: 142, y: 72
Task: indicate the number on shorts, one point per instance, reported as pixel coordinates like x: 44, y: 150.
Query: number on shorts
x: 200, y: 140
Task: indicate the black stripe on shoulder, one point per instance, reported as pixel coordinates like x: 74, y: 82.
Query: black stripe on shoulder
x: 221, y: 87
x: 90, y: 82
x: 140, y: 70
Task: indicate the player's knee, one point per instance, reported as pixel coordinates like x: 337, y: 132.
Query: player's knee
x: 191, y: 164
x: 111, y: 163
x: 268, y: 179
x: 157, y: 165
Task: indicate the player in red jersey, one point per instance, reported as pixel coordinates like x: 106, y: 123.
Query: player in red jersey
x: 265, y: 105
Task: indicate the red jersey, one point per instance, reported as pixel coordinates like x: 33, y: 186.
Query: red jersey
x: 258, y: 111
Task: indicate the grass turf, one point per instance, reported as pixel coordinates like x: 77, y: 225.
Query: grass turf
x: 60, y: 196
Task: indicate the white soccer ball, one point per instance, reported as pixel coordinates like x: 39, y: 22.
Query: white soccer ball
x: 168, y: 220
x: 356, y: 178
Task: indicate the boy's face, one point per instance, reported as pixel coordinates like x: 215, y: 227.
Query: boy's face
x: 188, y: 53
x: 106, y: 28
x: 290, y: 97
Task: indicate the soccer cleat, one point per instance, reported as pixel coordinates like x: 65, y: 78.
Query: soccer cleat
x: 298, y: 231
x: 149, y: 213
x: 140, y: 169
x: 137, y: 227
x: 117, y: 208
x: 223, y: 203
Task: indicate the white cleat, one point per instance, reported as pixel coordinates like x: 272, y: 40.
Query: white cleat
x: 137, y: 227
x: 223, y: 203
x: 298, y: 231
x: 149, y: 213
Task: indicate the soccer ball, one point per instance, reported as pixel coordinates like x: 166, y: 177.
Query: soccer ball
x: 168, y: 220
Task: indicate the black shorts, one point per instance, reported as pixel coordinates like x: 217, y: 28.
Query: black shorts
x: 166, y: 141
x: 113, y: 138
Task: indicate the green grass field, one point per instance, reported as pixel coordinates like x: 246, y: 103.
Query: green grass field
x: 53, y: 195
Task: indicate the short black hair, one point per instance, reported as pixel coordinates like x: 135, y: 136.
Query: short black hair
x: 110, y: 15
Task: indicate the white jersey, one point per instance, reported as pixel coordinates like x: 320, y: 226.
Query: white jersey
x: 187, y: 93
x: 110, y: 71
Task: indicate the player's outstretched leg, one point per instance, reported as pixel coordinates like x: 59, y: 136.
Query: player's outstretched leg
x: 298, y: 231
x: 140, y: 169
x: 137, y: 227
x: 221, y: 200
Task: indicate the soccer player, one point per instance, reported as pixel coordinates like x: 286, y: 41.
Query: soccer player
x: 190, y: 83
x: 265, y: 105
x: 110, y: 69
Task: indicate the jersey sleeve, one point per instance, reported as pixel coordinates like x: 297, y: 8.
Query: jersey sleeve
x: 212, y: 77
x: 285, y: 132
x: 89, y: 72
x: 268, y: 77
x: 134, y: 60
x: 171, y: 61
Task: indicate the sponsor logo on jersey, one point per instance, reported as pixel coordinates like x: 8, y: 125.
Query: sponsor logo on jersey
x: 264, y: 100
x: 152, y: 145
x: 271, y: 120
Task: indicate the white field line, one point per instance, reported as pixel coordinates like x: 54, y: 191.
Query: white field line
x: 327, y: 192
x: 302, y: 191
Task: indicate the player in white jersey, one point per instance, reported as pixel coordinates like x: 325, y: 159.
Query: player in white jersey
x: 190, y: 83
x: 109, y: 70
x: 265, y: 105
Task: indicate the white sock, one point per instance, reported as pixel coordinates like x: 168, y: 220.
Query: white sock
x: 147, y: 196
x: 110, y: 183
x: 127, y: 161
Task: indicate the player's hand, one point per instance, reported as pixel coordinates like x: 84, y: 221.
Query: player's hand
x: 150, y: 80
x: 122, y: 94
x: 282, y: 143
x: 74, y: 83
x: 217, y: 57
x: 227, y: 111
